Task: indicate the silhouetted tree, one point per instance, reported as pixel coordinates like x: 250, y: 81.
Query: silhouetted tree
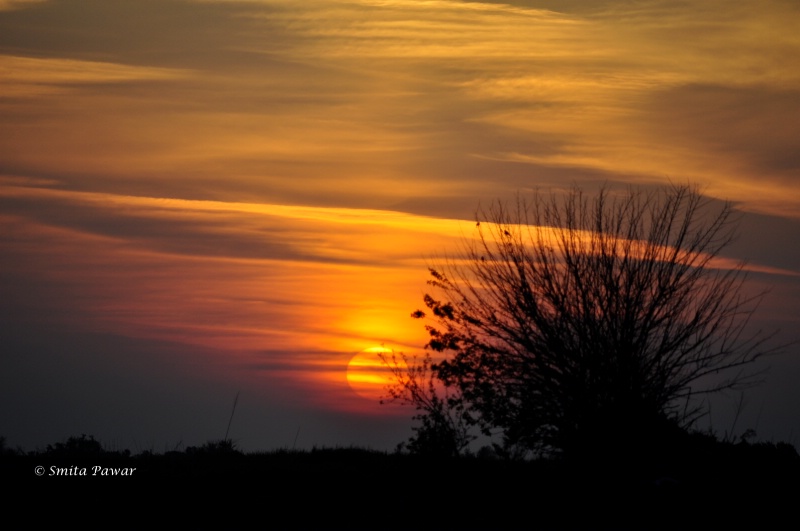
x: 576, y: 324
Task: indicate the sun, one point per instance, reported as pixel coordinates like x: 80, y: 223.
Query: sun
x: 367, y: 374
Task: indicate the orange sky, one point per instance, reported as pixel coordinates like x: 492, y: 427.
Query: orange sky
x: 254, y: 189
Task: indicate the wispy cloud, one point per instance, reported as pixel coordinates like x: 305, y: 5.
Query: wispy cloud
x: 404, y: 99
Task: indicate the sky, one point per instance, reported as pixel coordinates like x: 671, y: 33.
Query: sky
x: 205, y: 198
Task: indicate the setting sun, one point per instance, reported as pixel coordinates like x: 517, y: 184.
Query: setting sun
x: 367, y: 375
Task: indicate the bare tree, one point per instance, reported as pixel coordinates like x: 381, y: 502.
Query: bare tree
x: 575, y: 323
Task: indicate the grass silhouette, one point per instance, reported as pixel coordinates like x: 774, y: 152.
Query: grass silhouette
x: 359, y: 488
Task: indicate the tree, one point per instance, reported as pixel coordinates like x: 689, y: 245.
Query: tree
x: 580, y: 324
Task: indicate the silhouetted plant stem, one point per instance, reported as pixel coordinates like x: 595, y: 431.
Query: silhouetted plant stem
x: 235, y: 400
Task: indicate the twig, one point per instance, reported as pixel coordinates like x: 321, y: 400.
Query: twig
x: 296, y: 435
x: 235, y: 400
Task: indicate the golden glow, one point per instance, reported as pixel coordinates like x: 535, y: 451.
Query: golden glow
x: 368, y: 375
x: 328, y: 281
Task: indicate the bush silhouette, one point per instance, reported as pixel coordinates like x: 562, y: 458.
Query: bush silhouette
x: 83, y: 446
x: 581, y: 325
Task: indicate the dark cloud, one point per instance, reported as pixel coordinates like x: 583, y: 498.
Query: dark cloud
x: 562, y: 6
x: 153, y: 32
x: 196, y: 232
x: 753, y: 123
x: 768, y: 240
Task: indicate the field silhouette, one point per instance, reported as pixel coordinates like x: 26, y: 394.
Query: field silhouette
x: 701, y: 481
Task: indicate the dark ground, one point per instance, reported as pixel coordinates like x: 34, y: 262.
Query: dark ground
x: 705, y: 485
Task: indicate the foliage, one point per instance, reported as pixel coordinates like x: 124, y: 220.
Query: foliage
x: 83, y: 446
x: 445, y: 423
x: 574, y: 324
x: 217, y: 447
x: 5, y: 450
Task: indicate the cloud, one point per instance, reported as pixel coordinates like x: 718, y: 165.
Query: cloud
x: 7, y: 5
x: 450, y: 100
x: 231, y: 230
x: 28, y: 77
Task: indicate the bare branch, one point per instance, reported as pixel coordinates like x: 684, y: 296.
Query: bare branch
x: 567, y: 319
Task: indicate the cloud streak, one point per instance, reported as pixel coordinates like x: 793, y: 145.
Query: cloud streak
x: 285, y: 98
